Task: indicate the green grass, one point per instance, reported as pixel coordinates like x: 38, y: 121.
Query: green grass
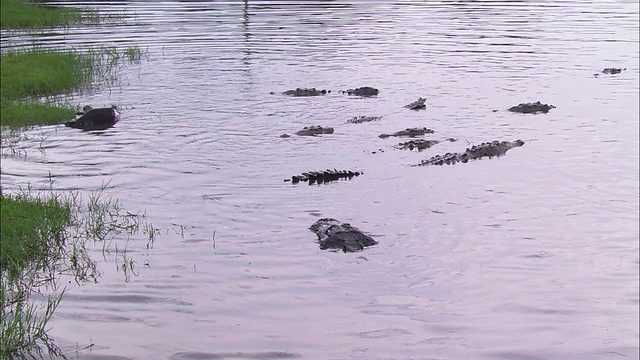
x: 27, y: 76
x: 32, y: 113
x: 31, y: 233
x: 36, y: 72
x: 25, y: 14
x: 42, y: 237
x: 31, y: 240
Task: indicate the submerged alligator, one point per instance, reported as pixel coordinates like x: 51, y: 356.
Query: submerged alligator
x: 362, y: 91
x: 490, y: 149
x: 305, y: 92
x: 95, y: 119
x: 613, y: 71
x: 418, y: 144
x: 610, y: 71
x: 323, y: 176
x: 417, y: 105
x: 314, y: 130
x: 409, y: 132
x: 333, y: 234
x: 363, y: 119
x: 532, y: 108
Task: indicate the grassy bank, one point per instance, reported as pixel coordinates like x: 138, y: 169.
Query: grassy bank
x: 31, y: 234
x: 26, y: 76
x: 43, y: 237
x: 29, y: 113
x: 34, y: 72
x: 25, y: 14
x: 30, y: 75
x: 31, y: 239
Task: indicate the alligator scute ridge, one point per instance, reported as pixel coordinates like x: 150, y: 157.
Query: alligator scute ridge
x: 532, y: 108
x: 409, y: 132
x: 306, y: 92
x: 333, y: 234
x: 418, y: 144
x: 487, y: 149
x: 362, y: 91
x: 363, y: 119
x: 613, y: 71
x: 610, y: 71
x: 314, y: 130
x: 323, y: 176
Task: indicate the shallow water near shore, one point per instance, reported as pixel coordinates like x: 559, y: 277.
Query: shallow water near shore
x: 533, y: 255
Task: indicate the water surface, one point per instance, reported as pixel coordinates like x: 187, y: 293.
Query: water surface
x: 533, y: 255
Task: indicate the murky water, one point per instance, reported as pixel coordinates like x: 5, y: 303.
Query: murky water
x: 530, y: 256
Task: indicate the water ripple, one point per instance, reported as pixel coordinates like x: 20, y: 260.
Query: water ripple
x: 540, y: 246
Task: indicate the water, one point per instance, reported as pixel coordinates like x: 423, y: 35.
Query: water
x: 530, y: 256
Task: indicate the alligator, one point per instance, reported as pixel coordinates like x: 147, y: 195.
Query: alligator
x: 490, y: 149
x: 362, y: 91
x: 363, y: 119
x: 306, y: 92
x: 417, y: 105
x: 419, y: 144
x: 323, y: 176
x: 95, y: 119
x: 333, y: 234
x: 531, y: 108
x: 410, y: 132
x: 613, y: 71
x: 314, y: 130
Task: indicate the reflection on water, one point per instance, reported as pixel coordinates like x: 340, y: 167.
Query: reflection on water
x: 533, y: 255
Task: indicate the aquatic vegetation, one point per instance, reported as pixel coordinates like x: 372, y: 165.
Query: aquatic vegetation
x: 10, y: 138
x: 42, y: 238
x: 23, y: 325
x: 31, y: 239
x: 134, y: 53
x: 152, y: 233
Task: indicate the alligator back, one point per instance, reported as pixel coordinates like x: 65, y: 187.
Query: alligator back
x: 323, y: 176
x: 333, y: 234
x: 487, y: 149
